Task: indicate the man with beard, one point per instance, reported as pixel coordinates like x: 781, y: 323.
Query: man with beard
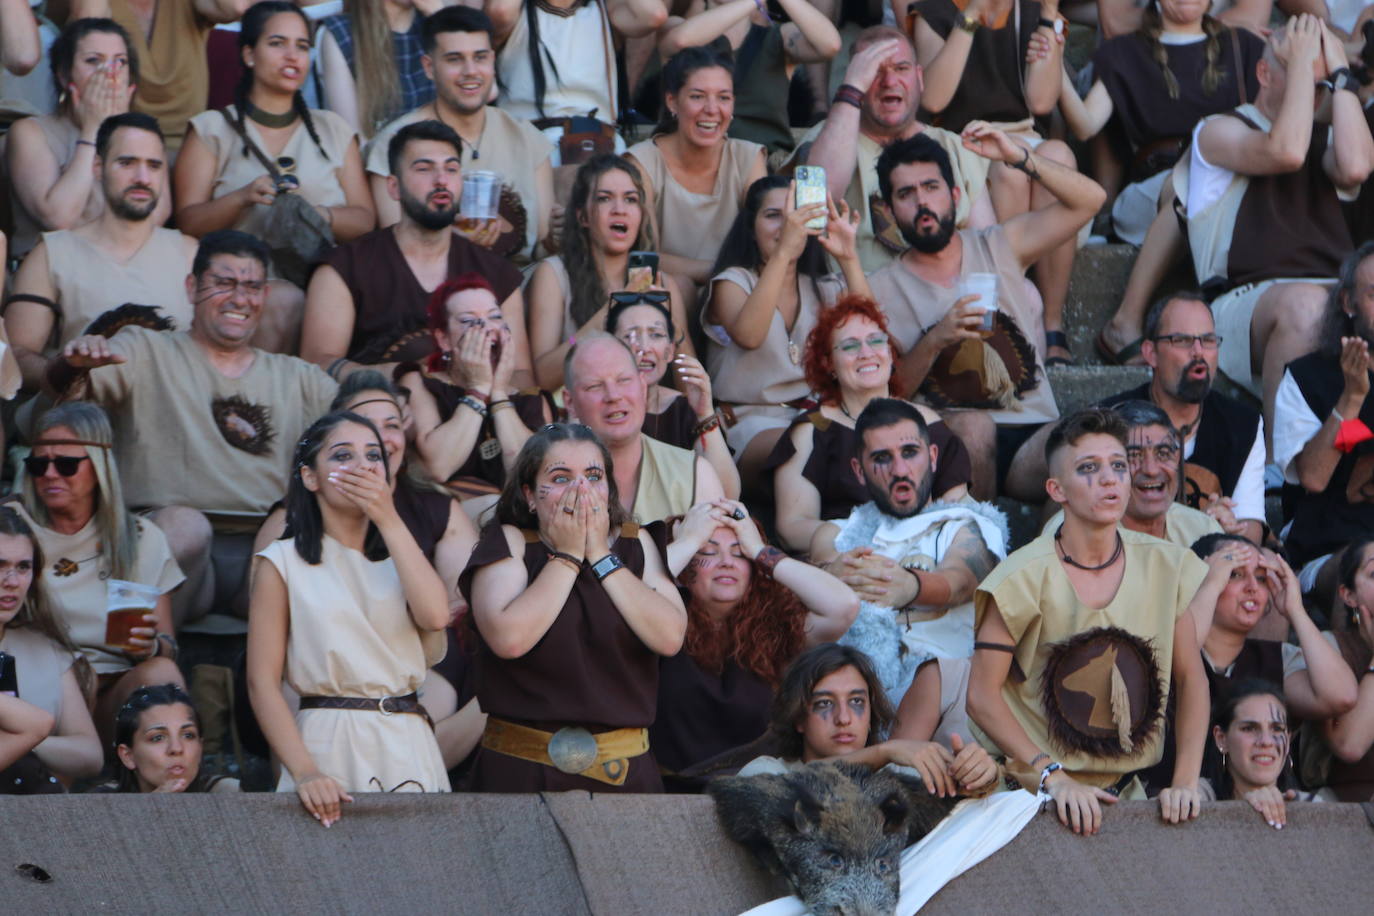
x: 459, y: 58
x: 875, y: 106
x: 915, y: 564
x: 991, y: 382
x: 1323, y: 414
x: 366, y: 305
x: 1222, y: 438
x: 75, y: 275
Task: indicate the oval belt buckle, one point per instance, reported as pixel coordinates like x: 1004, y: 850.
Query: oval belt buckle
x: 572, y: 749
x: 381, y: 707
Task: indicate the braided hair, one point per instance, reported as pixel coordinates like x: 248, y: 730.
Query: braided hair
x: 253, y: 23
x: 1152, y: 26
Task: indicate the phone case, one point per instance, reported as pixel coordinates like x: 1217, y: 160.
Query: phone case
x: 811, y: 190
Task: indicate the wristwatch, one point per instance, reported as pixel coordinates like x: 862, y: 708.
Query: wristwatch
x: 1054, y: 25
x: 606, y: 565
x: 969, y: 23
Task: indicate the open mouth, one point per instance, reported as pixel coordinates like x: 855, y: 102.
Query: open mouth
x: 471, y: 86
x: 236, y: 317
x: 1264, y: 760
x: 647, y: 365
x: 708, y: 127
x: 903, y: 492
x: 1150, y: 488
x: 441, y: 198
x: 619, y: 227
x: 617, y: 416
x: 291, y: 73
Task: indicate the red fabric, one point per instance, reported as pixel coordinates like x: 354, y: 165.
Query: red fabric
x: 1351, y: 434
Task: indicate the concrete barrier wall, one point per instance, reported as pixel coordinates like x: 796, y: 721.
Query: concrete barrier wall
x: 573, y: 854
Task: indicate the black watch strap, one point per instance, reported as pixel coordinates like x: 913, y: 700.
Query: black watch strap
x: 606, y: 565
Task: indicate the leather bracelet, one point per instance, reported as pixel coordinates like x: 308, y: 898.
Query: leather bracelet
x: 476, y: 405
x: 168, y: 640
x: 1021, y: 166
x: 500, y: 402
x: 334, y: 367
x: 566, y: 558
x: 90, y: 143
x: 706, y: 425
x: 768, y: 559
x: 849, y: 94
x: 484, y: 398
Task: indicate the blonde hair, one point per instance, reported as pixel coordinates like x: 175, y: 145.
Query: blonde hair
x: 115, y: 525
x: 375, y: 75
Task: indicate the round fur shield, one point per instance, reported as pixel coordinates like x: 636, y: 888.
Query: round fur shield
x: 1101, y: 692
x: 957, y: 378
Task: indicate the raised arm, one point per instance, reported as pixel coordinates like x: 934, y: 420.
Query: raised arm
x: 1351, y: 735
x: 513, y: 612
x: 836, y: 147
x: 1326, y: 687
x: 338, y: 89
x: 1349, y: 158
x: 703, y: 28
x: 218, y: 11
x: 1318, y: 459
x: 651, y: 606
x: 1086, y: 116
x: 636, y: 18
x: 810, y: 38
x: 1045, y: 72
x: 943, y: 59
x: 20, y: 47
x: 503, y: 15
x: 1035, y: 233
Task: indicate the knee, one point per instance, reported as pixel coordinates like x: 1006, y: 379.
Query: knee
x: 1301, y: 310
x: 188, y: 533
x: 1003, y: 179
x: 975, y: 428
x: 156, y: 670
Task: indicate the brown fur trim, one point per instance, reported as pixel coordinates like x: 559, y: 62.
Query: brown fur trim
x: 1138, y: 654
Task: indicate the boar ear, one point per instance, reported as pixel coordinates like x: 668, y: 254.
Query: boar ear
x: 756, y: 812
x: 895, y: 811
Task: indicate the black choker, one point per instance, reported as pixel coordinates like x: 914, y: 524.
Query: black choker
x: 267, y: 119
x: 1120, y: 546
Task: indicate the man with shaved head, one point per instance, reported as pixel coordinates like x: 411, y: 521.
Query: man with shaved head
x: 606, y: 391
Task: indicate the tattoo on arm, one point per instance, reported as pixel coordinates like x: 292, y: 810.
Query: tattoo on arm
x: 1028, y: 166
x: 969, y: 551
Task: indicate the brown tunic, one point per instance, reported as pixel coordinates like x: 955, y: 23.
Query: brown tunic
x: 1353, y: 782
x: 389, y: 303
x: 589, y: 669
x: 992, y: 86
x: 528, y: 404
x: 702, y: 714
x: 673, y: 425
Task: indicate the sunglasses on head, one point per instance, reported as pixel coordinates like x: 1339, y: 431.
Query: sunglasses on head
x: 66, y: 464
x: 628, y: 298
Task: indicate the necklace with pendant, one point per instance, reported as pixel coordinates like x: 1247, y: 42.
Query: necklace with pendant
x: 68, y: 567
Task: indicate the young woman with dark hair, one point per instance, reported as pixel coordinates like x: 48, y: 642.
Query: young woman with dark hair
x: 570, y: 293
x: 848, y: 361
x: 1252, y: 732
x: 51, y: 157
x: 347, y: 610
x: 158, y: 742
x: 750, y: 610
x: 695, y: 175
x: 573, y: 610
x: 768, y: 286
x: 1350, y: 737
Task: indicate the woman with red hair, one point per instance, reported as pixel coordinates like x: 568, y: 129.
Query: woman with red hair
x: 469, y: 422
x: 751, y: 609
x: 848, y: 362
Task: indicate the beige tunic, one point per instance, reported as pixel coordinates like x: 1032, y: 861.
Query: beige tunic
x: 970, y: 177
x: 187, y: 435
x: 693, y: 225
x: 509, y: 146
x: 1182, y: 524
x: 173, y: 71
x: 913, y: 305
x: 40, y: 664
x: 90, y: 283
x: 351, y: 635
x: 78, y: 599
x: 1040, y: 607
x: 318, y: 171
x: 61, y: 135
x: 667, y: 481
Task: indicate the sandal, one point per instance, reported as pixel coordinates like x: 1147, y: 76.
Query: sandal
x: 1122, y: 357
x: 1058, y: 339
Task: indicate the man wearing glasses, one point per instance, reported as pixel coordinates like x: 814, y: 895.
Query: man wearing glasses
x: 205, y: 424
x: 1222, y: 439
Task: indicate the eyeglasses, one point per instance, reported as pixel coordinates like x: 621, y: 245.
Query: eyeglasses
x: 852, y: 345
x: 66, y: 464
x: 629, y: 298
x: 1186, y: 341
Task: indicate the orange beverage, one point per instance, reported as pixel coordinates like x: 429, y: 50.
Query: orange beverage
x: 118, y: 625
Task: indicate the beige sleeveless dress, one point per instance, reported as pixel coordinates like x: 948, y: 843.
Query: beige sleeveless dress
x: 352, y: 636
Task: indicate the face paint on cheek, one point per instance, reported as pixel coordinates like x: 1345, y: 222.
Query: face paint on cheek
x: 544, y: 490
x: 1279, y: 716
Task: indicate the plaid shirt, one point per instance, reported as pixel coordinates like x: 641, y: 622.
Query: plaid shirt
x: 416, y: 88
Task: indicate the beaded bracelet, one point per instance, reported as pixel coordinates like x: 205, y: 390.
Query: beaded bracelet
x: 475, y: 404
x: 704, y: 426
x: 849, y: 95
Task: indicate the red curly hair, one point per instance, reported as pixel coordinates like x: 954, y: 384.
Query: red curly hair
x: 764, y: 632
x: 436, y: 310
x: 818, y: 362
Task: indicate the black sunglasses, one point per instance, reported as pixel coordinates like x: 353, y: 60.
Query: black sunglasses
x: 66, y: 464
x: 628, y: 298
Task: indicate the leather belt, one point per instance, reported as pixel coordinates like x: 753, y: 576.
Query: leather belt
x: 387, y: 706
x: 604, y: 757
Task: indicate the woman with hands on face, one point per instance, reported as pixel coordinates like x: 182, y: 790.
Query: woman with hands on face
x: 686, y: 418
x: 769, y: 284
x: 347, y: 610
x: 750, y: 610
x: 469, y: 421
x: 51, y: 157
x: 572, y: 609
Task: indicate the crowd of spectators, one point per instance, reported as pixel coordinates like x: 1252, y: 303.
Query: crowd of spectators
x: 485, y: 369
